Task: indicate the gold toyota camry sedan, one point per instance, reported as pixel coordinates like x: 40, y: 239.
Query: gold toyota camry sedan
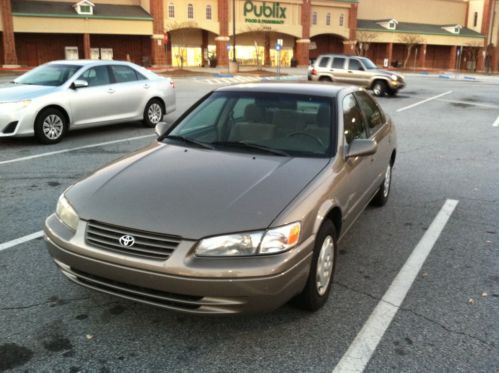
x: 237, y: 207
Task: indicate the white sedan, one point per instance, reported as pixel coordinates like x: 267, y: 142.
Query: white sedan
x: 64, y: 95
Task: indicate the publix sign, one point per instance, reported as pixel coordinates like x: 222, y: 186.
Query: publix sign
x: 264, y: 12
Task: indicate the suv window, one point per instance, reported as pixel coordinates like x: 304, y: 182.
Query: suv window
x: 123, y: 74
x: 324, y: 62
x: 96, y: 76
x: 353, y: 121
x: 338, y: 63
x: 371, y: 111
x: 354, y: 64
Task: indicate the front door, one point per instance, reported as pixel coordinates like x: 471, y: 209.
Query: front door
x: 97, y: 102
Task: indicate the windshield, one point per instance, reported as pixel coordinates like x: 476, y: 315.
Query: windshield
x: 277, y: 124
x: 370, y: 65
x: 48, y: 75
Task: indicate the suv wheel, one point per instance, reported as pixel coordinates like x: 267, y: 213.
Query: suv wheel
x: 325, y: 79
x: 379, y: 88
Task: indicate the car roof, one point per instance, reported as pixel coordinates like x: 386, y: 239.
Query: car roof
x: 305, y: 88
x: 87, y: 62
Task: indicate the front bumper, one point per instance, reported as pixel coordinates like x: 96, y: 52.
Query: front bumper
x: 20, y: 121
x: 396, y: 84
x: 183, y: 283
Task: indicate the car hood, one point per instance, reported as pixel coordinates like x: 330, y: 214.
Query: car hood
x: 389, y: 73
x: 11, y: 92
x: 192, y: 193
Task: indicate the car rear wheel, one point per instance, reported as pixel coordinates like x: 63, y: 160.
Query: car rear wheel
x: 318, y: 286
x: 381, y: 197
x: 379, y: 88
x: 153, y: 113
x: 50, y: 126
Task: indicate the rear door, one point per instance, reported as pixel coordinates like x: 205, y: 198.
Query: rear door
x: 131, y: 89
x: 338, y: 70
x: 95, y: 103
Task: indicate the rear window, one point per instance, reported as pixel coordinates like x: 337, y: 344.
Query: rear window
x: 338, y: 63
x: 324, y: 62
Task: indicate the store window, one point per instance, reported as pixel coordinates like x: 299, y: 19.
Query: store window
x: 190, y: 11
x: 328, y: 19
x: 208, y: 11
x: 314, y: 18
x: 475, y: 19
x: 342, y: 20
x: 171, y: 10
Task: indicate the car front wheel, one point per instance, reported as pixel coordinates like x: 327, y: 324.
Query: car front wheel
x: 50, y: 126
x: 318, y: 286
x: 153, y: 113
x: 379, y: 88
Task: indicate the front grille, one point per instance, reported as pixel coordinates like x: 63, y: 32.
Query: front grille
x: 147, y: 245
x: 146, y: 295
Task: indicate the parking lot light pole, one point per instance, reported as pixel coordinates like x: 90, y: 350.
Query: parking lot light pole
x: 233, y: 30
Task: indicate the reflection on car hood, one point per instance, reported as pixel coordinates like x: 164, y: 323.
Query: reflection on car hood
x: 389, y: 73
x: 191, y: 192
x: 16, y: 92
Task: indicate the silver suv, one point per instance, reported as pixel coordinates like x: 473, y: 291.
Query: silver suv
x: 355, y: 70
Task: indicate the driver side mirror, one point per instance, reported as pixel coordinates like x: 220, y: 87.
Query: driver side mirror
x: 361, y: 148
x: 161, y: 128
x: 79, y: 84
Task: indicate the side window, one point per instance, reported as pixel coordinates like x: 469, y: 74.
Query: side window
x: 96, y: 76
x: 354, y: 64
x: 352, y: 120
x: 324, y: 62
x: 371, y: 111
x: 338, y: 63
x: 123, y: 74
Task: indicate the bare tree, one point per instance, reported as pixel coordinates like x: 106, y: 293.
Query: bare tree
x: 180, y: 37
x: 470, y: 53
x: 364, y: 40
x: 410, y: 41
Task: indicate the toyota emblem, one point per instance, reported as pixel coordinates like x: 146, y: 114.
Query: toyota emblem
x: 127, y: 241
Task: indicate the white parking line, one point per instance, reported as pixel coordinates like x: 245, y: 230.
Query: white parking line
x: 18, y: 241
x: 362, y: 348
x: 496, y: 123
x: 73, y: 149
x: 424, y: 101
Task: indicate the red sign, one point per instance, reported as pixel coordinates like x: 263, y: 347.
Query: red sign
x: 165, y: 38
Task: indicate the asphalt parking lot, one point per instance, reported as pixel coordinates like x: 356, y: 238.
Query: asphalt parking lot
x: 448, y: 151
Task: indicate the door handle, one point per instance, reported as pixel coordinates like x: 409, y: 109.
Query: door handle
x: 110, y: 90
x: 146, y: 86
x: 350, y: 71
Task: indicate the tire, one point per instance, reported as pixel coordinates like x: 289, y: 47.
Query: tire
x: 383, y: 193
x: 314, y: 296
x: 153, y: 113
x: 325, y: 79
x: 380, y: 88
x: 50, y: 126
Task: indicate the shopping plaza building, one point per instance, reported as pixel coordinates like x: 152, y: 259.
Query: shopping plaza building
x: 422, y: 34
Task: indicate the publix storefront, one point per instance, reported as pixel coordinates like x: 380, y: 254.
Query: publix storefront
x: 260, y: 25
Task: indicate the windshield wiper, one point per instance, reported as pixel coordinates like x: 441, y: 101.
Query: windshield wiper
x: 189, y: 141
x: 249, y: 145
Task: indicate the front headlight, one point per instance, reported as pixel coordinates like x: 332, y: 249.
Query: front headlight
x: 66, y: 213
x: 14, y: 106
x: 252, y: 243
x: 394, y: 77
